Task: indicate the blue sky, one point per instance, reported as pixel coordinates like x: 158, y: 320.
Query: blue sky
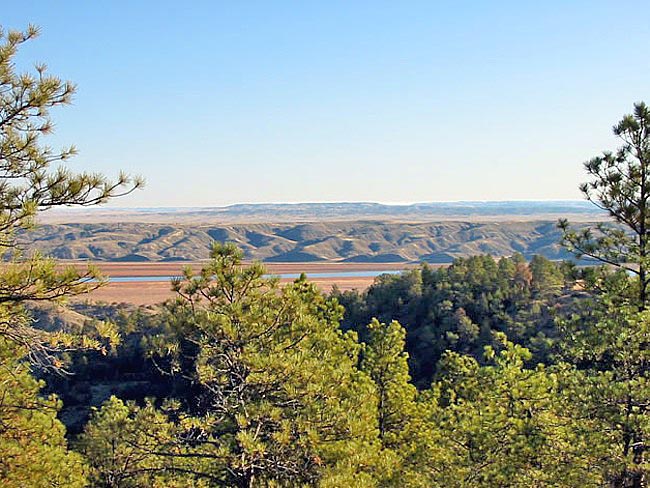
x: 223, y: 102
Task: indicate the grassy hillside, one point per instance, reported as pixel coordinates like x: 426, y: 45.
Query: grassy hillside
x: 363, y: 241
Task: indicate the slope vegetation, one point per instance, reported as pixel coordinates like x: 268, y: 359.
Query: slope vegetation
x: 361, y: 241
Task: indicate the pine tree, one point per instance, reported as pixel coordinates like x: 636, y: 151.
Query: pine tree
x: 122, y: 444
x: 407, y: 438
x: 33, y: 450
x: 506, y: 425
x: 609, y: 338
x: 279, y: 399
x: 385, y: 362
x: 32, y: 179
x: 620, y: 185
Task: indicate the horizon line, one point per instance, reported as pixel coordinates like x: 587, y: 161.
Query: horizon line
x: 326, y: 202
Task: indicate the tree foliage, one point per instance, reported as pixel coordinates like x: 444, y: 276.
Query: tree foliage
x: 620, y: 185
x: 32, y: 179
x: 608, y: 338
x: 460, y: 306
x: 33, y: 451
x: 122, y: 443
x: 279, y: 397
x: 503, y: 424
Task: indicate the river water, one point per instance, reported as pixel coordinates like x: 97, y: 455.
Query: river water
x: 336, y: 274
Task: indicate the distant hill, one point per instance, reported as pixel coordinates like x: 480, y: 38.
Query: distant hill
x: 309, y: 212
x: 351, y: 241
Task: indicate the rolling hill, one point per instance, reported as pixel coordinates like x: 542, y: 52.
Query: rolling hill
x: 347, y: 241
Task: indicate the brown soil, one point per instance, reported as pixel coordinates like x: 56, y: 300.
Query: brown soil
x: 152, y: 292
x: 149, y: 293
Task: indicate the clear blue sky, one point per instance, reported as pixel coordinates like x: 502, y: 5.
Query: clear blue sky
x: 223, y: 102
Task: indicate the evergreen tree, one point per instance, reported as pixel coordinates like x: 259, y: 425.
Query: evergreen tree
x: 407, y: 438
x: 505, y: 425
x: 385, y: 362
x: 620, y: 185
x: 32, y: 179
x: 547, y: 278
x: 33, y: 450
x: 608, y: 338
x: 279, y: 398
x: 122, y: 444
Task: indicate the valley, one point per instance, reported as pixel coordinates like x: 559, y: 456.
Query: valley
x: 149, y: 283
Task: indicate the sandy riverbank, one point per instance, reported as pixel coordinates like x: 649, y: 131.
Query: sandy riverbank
x: 151, y: 292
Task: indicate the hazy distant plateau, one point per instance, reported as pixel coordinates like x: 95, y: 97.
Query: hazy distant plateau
x: 333, y: 212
